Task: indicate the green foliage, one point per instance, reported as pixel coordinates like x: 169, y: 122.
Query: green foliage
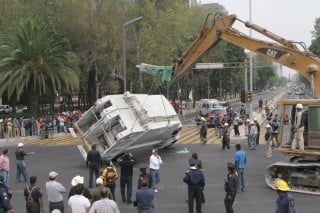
x: 92, y: 29
x: 33, y: 59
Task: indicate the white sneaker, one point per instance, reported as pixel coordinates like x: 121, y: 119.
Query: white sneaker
x: 155, y: 190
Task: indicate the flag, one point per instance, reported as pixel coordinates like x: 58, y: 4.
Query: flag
x: 190, y: 95
x: 162, y: 72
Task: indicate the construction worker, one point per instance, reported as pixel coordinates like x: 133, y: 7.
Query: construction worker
x: 268, y: 140
x: 285, y: 201
x: 298, y: 128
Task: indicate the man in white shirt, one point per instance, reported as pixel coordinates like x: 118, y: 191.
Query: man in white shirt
x: 298, y: 129
x: 78, y: 203
x: 154, y: 165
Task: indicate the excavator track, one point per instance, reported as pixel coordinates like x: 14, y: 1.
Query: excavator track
x: 301, y: 177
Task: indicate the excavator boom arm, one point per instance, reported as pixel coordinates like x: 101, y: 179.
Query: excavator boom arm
x: 207, y: 39
x: 303, y: 62
x: 283, y: 52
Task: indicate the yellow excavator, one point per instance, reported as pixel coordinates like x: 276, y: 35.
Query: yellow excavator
x: 303, y: 172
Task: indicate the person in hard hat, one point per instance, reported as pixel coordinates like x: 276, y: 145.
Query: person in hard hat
x: 298, y: 128
x: 203, y: 131
x: 285, y: 201
x: 268, y: 140
x: 21, y: 165
x: 225, y: 136
x: 230, y: 187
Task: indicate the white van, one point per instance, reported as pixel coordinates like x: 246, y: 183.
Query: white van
x: 206, y: 105
x: 5, y: 109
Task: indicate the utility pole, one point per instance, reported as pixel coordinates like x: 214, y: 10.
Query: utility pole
x: 251, y: 59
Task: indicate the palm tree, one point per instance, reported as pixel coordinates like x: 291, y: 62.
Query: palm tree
x: 32, y: 60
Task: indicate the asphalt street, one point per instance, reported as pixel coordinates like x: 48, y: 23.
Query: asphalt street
x: 172, y: 195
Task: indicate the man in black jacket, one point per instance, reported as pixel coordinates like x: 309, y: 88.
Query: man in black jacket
x: 230, y: 187
x: 126, y: 163
x: 194, y: 177
x: 93, y: 162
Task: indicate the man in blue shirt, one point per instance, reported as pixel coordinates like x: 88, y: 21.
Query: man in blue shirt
x: 285, y: 201
x: 144, y: 198
x: 240, y: 160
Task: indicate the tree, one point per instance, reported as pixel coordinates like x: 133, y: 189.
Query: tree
x: 33, y: 60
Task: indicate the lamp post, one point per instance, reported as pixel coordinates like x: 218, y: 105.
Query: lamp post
x: 124, y: 49
x: 251, y: 58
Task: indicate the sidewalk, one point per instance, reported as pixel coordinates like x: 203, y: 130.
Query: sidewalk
x: 5, y: 142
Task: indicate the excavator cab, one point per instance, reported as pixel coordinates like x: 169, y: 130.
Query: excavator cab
x: 303, y: 170
x: 311, y: 123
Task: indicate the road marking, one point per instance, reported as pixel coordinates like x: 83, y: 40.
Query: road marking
x: 191, y: 135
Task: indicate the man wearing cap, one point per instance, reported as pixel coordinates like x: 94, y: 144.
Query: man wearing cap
x: 268, y: 140
x: 285, y: 201
x: 93, y: 162
x: 298, y: 128
x: 225, y: 136
x: 96, y: 194
x: 194, y: 160
x: 143, y: 175
x: 5, y: 197
x: 55, y: 192
x: 21, y: 165
x: 154, y: 164
x: 194, y: 177
x: 230, y: 187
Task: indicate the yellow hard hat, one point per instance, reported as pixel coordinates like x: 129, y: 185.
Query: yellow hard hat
x: 282, y: 185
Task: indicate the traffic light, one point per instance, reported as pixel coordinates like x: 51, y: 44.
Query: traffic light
x: 243, y: 96
x: 249, y: 98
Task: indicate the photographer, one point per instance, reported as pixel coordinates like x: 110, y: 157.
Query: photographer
x: 126, y: 163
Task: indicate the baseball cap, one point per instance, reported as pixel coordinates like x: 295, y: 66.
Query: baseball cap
x: 99, y: 181
x: 53, y: 174
x: 230, y: 165
x: 20, y: 144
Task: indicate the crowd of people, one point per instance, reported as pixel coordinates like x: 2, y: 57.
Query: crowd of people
x: 44, y: 126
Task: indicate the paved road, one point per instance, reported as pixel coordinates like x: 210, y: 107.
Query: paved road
x: 66, y: 160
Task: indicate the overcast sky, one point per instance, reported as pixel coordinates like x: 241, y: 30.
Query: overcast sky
x: 292, y: 19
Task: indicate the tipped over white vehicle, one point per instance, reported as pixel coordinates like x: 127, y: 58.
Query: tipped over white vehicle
x: 129, y: 123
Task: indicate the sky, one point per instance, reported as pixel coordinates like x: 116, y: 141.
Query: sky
x: 291, y: 19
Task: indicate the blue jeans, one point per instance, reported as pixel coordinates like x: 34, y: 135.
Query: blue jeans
x: 22, y: 170
x: 240, y: 185
x: 155, y: 175
x: 6, y: 176
x: 252, y: 141
x: 150, y: 210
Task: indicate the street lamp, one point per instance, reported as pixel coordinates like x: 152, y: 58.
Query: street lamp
x: 124, y: 49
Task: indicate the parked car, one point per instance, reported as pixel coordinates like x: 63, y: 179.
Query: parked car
x: 5, y: 109
x: 21, y: 109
